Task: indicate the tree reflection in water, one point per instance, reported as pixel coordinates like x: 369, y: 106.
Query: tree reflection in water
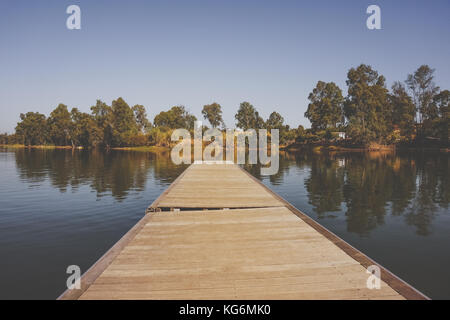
x: 364, y: 186
x: 115, y: 172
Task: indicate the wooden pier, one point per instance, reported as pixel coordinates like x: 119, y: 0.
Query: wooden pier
x: 218, y: 233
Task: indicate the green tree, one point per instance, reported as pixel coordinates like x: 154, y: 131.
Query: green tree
x: 441, y: 125
x: 32, y: 130
x: 423, y: 90
x: 189, y: 120
x: 403, y: 109
x: 124, y: 124
x: 167, y: 119
x: 60, y: 126
x: 300, y: 134
x: 176, y: 117
x: 10, y: 139
x: 141, y: 119
x: 103, y: 117
x: 326, y: 107
x: 4, y: 138
x: 366, y: 105
x: 213, y: 113
x: 441, y: 102
x: 259, y: 121
x: 85, y: 129
x: 248, y: 118
x: 275, y: 121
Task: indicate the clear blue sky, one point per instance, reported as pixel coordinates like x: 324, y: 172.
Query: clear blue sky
x: 165, y: 53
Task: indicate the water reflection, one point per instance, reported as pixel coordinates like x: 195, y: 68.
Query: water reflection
x: 114, y: 172
x: 368, y: 186
x: 59, y: 206
x: 365, y: 187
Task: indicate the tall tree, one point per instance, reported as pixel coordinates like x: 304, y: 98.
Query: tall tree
x: 176, y: 117
x: 60, y: 126
x: 326, y: 107
x: 189, y: 120
x: 275, y: 121
x: 366, y: 105
x: 423, y: 90
x: 32, y: 130
x: 403, y: 109
x: 213, y: 113
x: 259, y: 121
x: 248, y: 118
x: 103, y: 117
x: 141, y: 119
x: 86, y: 132
x: 441, y: 102
x: 124, y: 124
x: 4, y: 138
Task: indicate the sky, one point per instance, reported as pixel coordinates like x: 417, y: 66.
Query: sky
x: 189, y: 52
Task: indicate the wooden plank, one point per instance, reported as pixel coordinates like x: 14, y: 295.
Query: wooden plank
x: 216, y: 186
x: 208, y: 261
x: 261, y: 248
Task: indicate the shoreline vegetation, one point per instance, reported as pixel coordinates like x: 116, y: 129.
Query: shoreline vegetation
x: 411, y: 115
x: 290, y: 148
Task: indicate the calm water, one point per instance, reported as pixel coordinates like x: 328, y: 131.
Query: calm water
x: 59, y: 207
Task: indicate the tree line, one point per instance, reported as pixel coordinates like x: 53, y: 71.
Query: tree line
x: 410, y: 111
x: 117, y: 125
x: 120, y: 125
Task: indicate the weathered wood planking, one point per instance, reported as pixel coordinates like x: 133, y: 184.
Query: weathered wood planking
x: 235, y: 254
x: 216, y: 186
x: 266, y: 249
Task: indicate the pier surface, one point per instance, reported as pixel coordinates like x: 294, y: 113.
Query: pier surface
x: 218, y: 233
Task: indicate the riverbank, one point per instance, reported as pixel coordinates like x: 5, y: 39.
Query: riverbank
x: 333, y: 147
x: 21, y: 146
x: 372, y: 147
x: 291, y: 148
x: 142, y: 148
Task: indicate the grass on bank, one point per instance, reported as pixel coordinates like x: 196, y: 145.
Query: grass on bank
x: 50, y: 147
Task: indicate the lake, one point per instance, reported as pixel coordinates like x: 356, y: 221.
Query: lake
x: 64, y: 207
